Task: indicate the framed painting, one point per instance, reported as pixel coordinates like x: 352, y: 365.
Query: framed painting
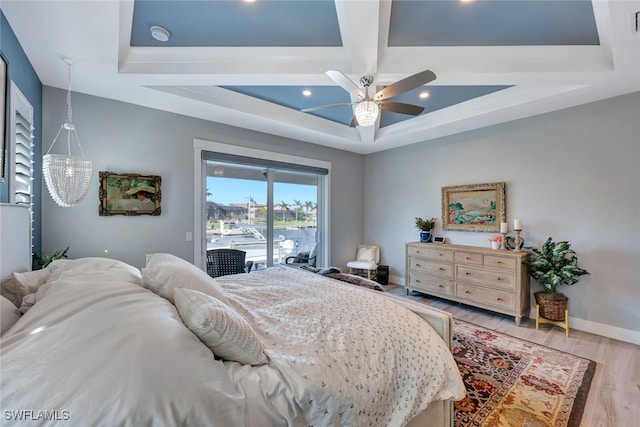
x: 129, y: 194
x: 475, y: 207
x: 3, y: 113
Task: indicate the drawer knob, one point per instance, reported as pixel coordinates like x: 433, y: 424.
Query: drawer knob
x: 467, y: 292
x: 498, y: 278
x: 417, y: 280
x: 417, y: 265
x: 499, y: 299
x: 440, y: 286
x: 467, y: 273
x: 467, y: 257
x: 440, y: 268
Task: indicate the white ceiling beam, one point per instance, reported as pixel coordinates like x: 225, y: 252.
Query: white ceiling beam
x: 359, y: 29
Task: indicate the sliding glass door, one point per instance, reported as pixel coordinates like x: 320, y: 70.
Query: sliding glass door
x: 270, y: 210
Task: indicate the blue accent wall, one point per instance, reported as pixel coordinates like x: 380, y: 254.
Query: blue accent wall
x: 21, y: 73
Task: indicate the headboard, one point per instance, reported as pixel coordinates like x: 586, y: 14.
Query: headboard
x: 15, y: 239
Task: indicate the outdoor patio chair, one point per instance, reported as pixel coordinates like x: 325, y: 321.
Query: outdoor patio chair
x: 222, y: 262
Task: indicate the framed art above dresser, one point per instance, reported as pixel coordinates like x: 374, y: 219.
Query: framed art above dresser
x: 496, y: 280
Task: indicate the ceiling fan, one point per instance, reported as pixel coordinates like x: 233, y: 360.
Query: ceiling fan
x: 368, y: 108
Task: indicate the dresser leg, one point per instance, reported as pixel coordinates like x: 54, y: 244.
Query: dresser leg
x: 518, y: 320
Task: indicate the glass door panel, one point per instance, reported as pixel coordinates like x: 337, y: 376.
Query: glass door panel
x: 295, y: 222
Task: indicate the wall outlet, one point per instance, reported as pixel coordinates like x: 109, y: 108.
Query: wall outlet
x: 189, y: 236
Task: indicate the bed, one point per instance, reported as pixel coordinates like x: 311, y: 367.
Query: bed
x: 104, y: 343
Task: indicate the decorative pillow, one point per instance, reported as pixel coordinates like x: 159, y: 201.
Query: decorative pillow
x: 16, y: 286
x: 9, y: 314
x: 165, y: 272
x: 219, y: 327
x: 367, y: 253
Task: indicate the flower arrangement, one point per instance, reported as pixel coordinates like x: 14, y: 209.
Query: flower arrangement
x: 497, y: 239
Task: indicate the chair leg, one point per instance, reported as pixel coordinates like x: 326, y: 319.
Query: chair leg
x: 369, y: 274
x: 350, y: 270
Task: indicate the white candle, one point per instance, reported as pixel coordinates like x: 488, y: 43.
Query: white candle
x: 516, y: 224
x: 503, y: 227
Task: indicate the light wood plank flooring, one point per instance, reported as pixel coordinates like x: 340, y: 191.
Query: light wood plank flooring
x: 614, y: 398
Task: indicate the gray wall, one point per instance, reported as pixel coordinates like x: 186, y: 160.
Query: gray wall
x: 120, y: 137
x: 572, y: 174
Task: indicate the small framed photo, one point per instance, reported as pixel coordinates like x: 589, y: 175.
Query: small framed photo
x: 129, y: 194
x: 438, y: 239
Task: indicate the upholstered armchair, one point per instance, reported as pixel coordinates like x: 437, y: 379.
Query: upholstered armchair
x: 367, y: 258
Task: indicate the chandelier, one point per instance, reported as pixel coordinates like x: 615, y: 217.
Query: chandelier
x: 67, y: 177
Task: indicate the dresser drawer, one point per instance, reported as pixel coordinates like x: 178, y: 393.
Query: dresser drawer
x: 431, y: 283
x: 417, y: 251
x: 441, y: 254
x: 488, y: 296
x: 504, y: 279
x: 500, y: 262
x: 440, y: 269
x: 468, y: 258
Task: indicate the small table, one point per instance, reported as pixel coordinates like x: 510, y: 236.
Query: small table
x: 564, y: 325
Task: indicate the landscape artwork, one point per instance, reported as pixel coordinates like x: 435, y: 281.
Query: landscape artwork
x: 474, y: 207
x: 129, y: 194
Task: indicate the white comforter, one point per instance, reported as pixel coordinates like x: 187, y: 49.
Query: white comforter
x: 375, y: 363
x: 97, y: 349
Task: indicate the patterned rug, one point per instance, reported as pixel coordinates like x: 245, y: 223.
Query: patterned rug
x: 511, y: 382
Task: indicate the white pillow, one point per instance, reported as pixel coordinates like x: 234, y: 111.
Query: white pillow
x: 219, y: 327
x: 9, y: 314
x: 16, y: 286
x: 165, y: 272
x: 367, y: 253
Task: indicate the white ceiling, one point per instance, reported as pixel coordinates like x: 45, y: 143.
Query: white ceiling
x: 96, y: 36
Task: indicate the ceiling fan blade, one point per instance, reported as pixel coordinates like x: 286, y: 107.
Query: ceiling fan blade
x: 405, y: 85
x: 401, y: 107
x: 354, y: 122
x: 346, y: 83
x: 342, y: 104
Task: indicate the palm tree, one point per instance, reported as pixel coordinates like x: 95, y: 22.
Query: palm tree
x: 298, y: 204
x: 251, y: 201
x: 308, y: 205
x: 285, y: 207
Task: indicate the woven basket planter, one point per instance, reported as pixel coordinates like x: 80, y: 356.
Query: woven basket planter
x: 552, y: 305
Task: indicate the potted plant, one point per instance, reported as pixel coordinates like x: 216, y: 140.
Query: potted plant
x: 44, y: 260
x: 426, y: 227
x: 553, y: 265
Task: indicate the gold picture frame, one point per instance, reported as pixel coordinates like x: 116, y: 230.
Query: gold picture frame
x: 129, y: 194
x: 474, y: 207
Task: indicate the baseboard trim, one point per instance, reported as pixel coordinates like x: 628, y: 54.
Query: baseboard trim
x: 608, y: 331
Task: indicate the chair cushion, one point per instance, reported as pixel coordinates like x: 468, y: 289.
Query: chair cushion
x: 362, y: 265
x: 368, y: 253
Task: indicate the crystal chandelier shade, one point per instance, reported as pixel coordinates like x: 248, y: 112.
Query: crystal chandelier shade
x: 67, y: 176
x: 367, y: 112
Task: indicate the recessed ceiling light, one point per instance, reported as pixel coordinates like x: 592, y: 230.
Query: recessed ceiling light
x: 159, y: 33
x: 307, y: 92
x: 249, y: 1
x: 424, y: 95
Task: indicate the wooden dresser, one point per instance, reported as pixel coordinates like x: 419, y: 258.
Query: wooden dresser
x: 492, y: 279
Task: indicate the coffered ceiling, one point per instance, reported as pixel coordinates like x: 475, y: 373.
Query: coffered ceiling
x: 247, y: 64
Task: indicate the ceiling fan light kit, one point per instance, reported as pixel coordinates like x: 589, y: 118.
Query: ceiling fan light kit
x: 367, y: 113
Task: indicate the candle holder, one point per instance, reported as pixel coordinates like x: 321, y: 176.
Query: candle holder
x: 504, y: 239
x: 518, y: 241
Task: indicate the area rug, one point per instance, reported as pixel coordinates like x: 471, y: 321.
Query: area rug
x: 511, y: 382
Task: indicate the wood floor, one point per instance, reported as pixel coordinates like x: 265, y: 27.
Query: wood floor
x: 614, y: 398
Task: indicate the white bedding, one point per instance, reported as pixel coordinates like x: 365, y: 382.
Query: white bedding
x: 98, y: 349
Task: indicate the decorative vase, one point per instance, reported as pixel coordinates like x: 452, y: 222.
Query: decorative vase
x: 425, y: 236
x: 552, y: 304
x: 495, y: 245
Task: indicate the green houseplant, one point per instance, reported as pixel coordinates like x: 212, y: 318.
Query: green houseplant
x: 425, y: 226
x: 44, y: 260
x: 553, y: 265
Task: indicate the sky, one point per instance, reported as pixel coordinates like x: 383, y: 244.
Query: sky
x: 228, y: 191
